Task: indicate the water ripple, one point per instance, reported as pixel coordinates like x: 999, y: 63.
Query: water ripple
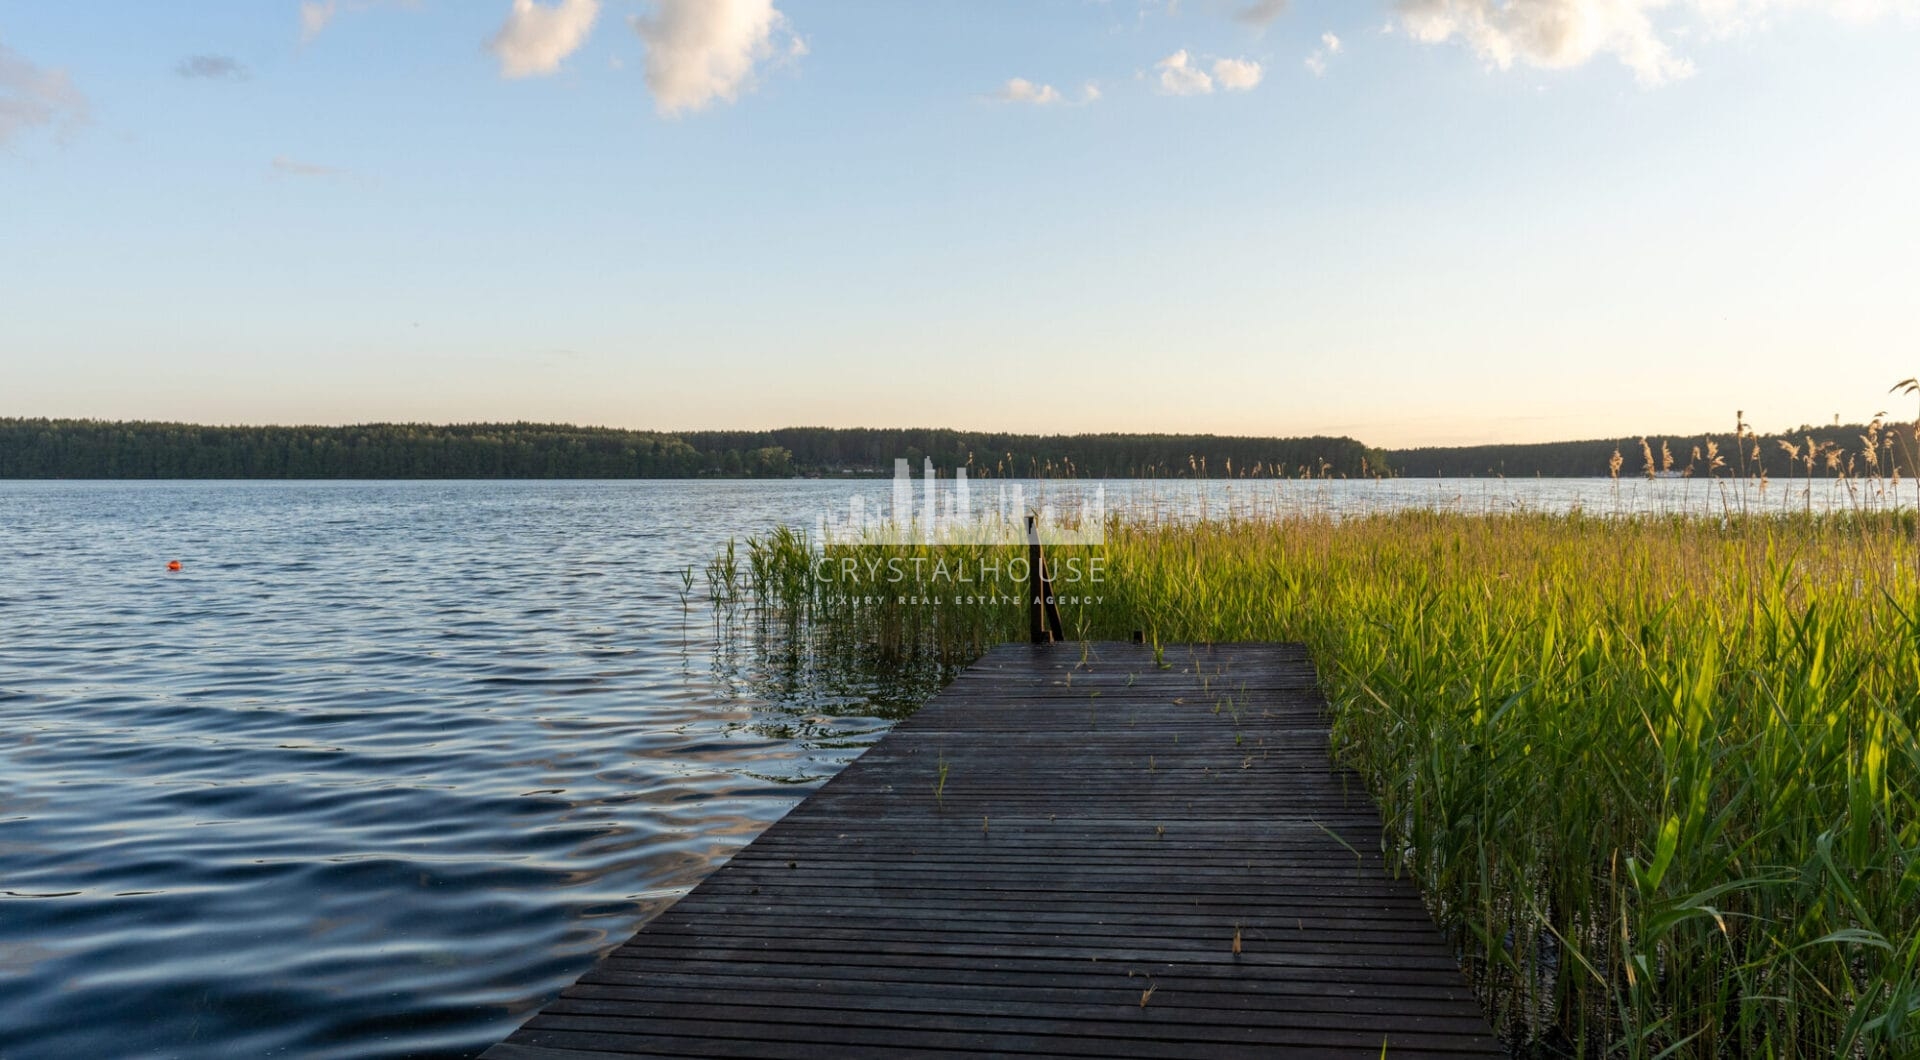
x: 374, y: 776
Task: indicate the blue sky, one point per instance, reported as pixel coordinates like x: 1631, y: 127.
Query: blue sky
x: 1432, y: 221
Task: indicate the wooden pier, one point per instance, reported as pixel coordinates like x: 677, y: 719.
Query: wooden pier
x: 1071, y: 851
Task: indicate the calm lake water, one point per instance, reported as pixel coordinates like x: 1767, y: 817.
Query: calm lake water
x: 386, y: 765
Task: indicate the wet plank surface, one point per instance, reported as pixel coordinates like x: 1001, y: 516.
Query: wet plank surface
x: 1058, y: 856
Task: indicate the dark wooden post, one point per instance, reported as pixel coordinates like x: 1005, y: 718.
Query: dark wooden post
x: 1036, y: 579
x: 1043, y: 615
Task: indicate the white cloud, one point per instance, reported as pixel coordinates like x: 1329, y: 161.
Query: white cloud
x: 1550, y: 33
x: 1317, y: 60
x: 1564, y: 33
x: 1236, y: 75
x: 537, y: 38
x: 1556, y: 34
x: 702, y: 50
x: 31, y: 96
x: 314, y: 16
x: 1261, y: 12
x: 1021, y: 90
x: 1179, y: 78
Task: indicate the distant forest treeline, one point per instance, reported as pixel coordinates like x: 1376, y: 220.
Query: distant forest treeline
x: 40, y: 448
x: 873, y: 451
x: 1834, y: 448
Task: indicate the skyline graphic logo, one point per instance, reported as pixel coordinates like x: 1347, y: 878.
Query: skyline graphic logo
x: 953, y: 512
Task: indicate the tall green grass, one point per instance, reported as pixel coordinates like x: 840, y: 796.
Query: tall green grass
x: 1657, y: 776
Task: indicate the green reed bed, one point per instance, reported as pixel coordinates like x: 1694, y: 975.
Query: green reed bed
x: 1658, y: 776
x: 893, y: 605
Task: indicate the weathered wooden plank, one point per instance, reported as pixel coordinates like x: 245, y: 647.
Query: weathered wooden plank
x: 935, y: 980
x: 638, y: 1016
x: 806, y: 988
x: 1064, y: 833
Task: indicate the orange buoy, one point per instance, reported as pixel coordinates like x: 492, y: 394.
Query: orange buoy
x: 173, y: 564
